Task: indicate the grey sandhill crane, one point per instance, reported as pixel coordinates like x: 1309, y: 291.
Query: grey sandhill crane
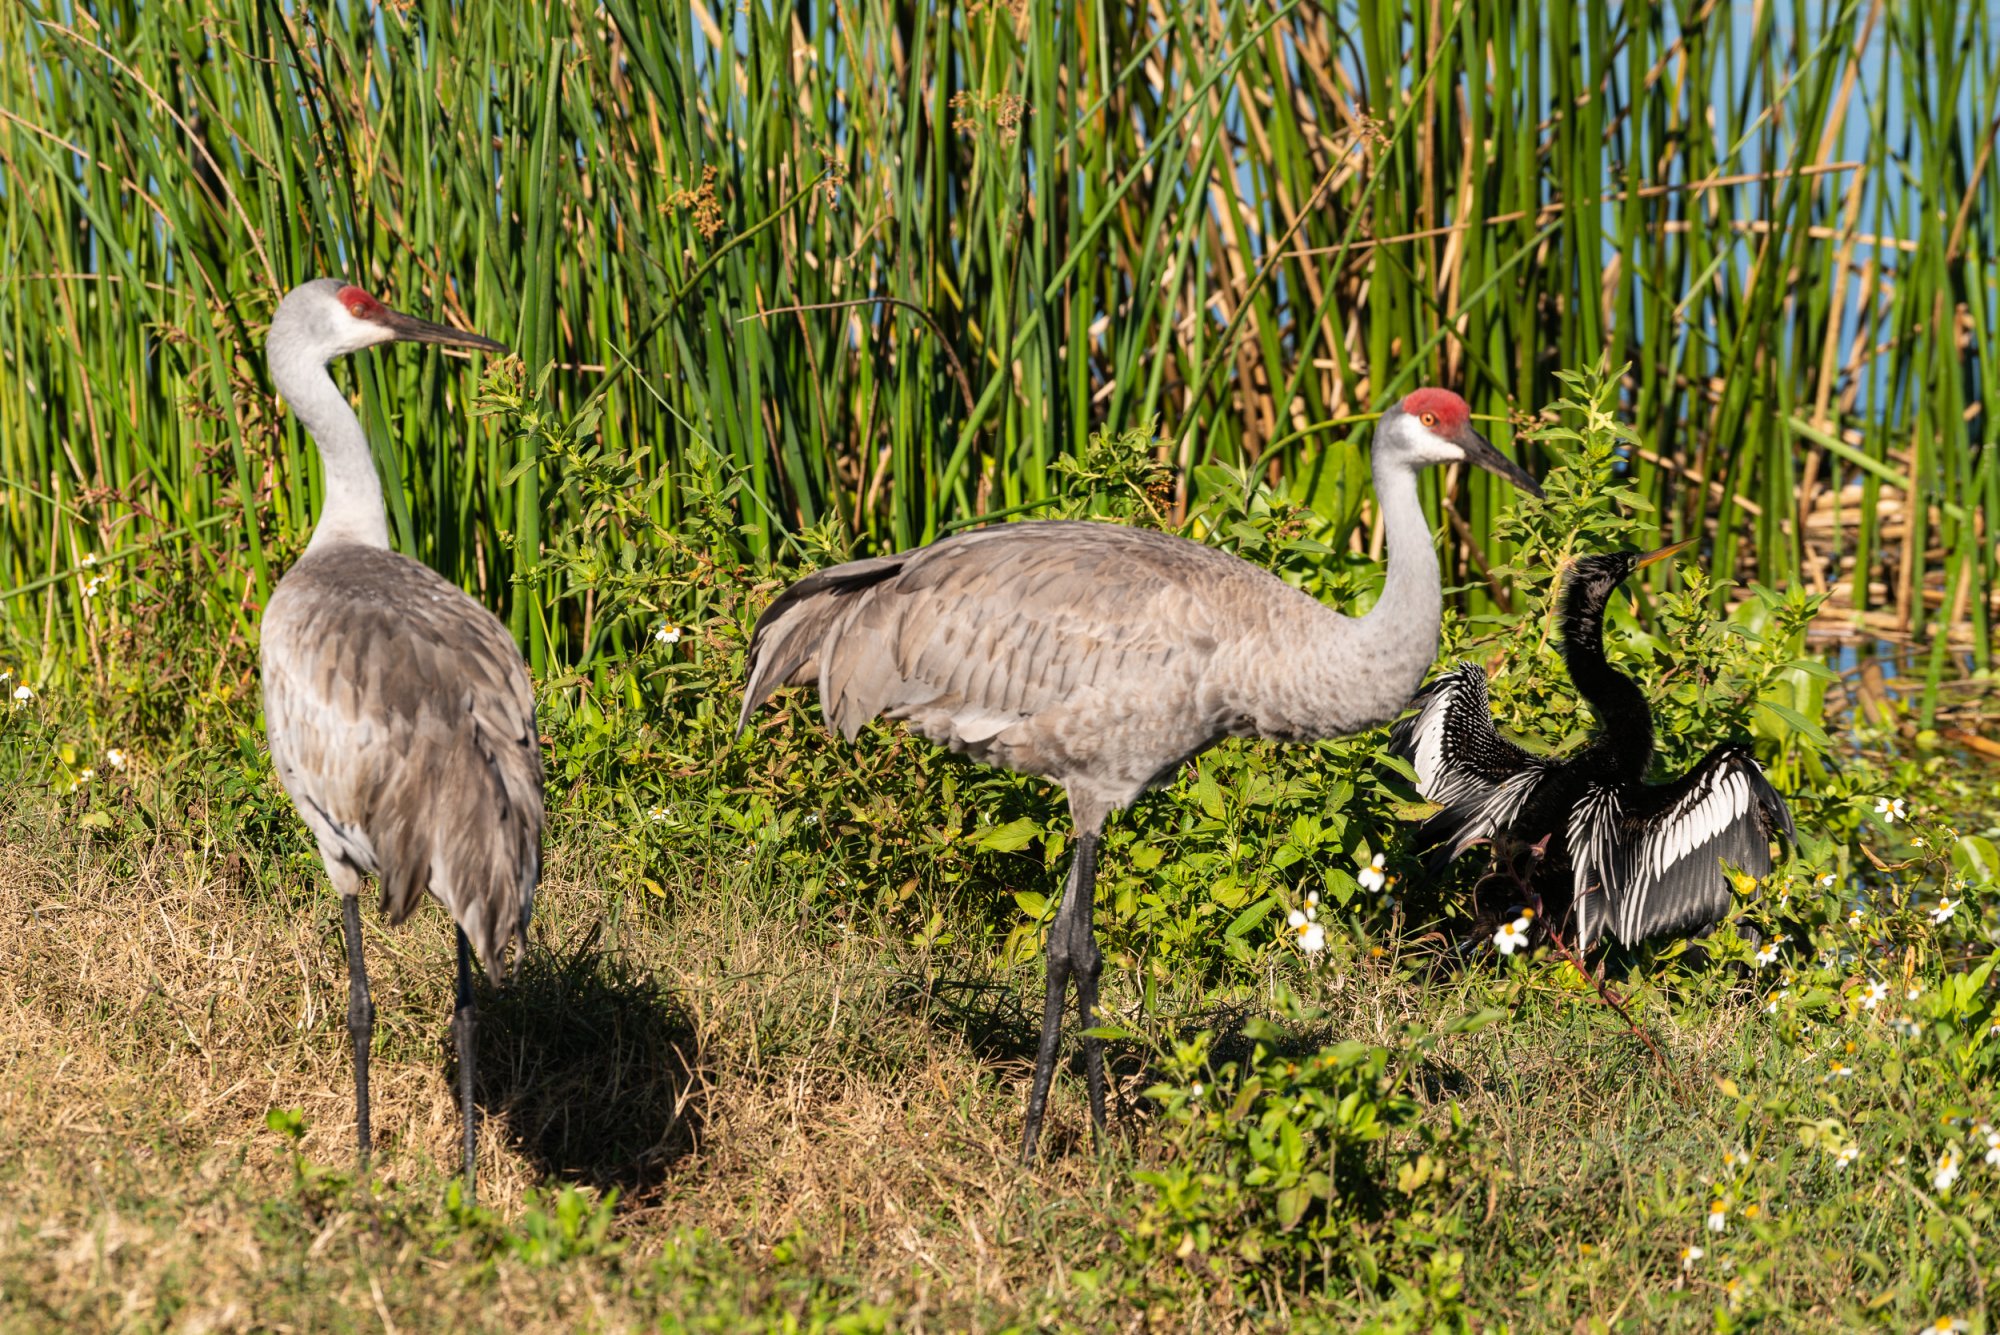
x: 400, y: 715
x: 1104, y: 657
x: 1619, y: 858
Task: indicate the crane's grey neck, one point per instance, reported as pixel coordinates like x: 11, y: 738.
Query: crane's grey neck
x: 1412, y: 602
x: 1339, y: 675
x: 352, y: 510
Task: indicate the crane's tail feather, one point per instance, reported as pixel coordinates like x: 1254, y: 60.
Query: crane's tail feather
x: 785, y: 647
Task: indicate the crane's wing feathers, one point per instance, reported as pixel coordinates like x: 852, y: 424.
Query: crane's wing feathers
x: 1479, y: 779
x: 402, y: 722
x: 1648, y: 863
x: 971, y: 635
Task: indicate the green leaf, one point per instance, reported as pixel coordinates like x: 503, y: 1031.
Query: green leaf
x: 1009, y: 838
x: 1208, y: 796
x: 1251, y: 916
x: 1798, y: 723
x: 1033, y: 903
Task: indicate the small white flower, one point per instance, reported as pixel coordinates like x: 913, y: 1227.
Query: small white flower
x: 1945, y: 1325
x: 1312, y: 902
x: 6, y: 674
x: 1890, y: 810
x: 1840, y: 1071
x: 1848, y: 1154
x: 666, y: 634
x: 1942, y: 913
x: 23, y: 694
x: 86, y: 774
x: 115, y: 758
x: 1874, y: 995
x: 1946, y: 1174
x: 1767, y: 954
x: 1718, y: 1217
x: 1512, y: 937
x: 1196, y: 1089
x: 1689, y: 1255
x: 1826, y: 881
x: 1905, y: 1027
x: 657, y: 814
x: 89, y: 560
x: 1313, y: 939
x: 1735, y: 1159
x: 1916, y: 990
x: 1373, y: 877
x: 92, y: 585
x: 1992, y: 1148
x: 1771, y: 1002
x: 1854, y: 917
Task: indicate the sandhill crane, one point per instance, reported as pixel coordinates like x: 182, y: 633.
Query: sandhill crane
x: 1104, y: 657
x: 400, y: 715
x: 1627, y: 859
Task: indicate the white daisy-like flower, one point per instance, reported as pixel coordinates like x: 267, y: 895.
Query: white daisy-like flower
x: 86, y: 774
x: 1848, y: 1154
x: 1874, y: 994
x: 1196, y: 1089
x: 1512, y: 937
x: 1915, y: 990
x: 1992, y: 1148
x: 667, y: 634
x: 657, y: 814
x: 89, y: 560
x: 1946, y: 1174
x: 1311, y: 936
x: 1689, y: 1255
x: 115, y: 758
x: 1735, y: 1159
x: 1942, y: 913
x: 1891, y: 810
x: 1373, y: 877
x: 1905, y: 1027
x: 1826, y: 881
x: 1312, y: 903
x: 1854, y: 917
x: 1771, y: 1002
x: 23, y: 694
x: 1945, y: 1325
x: 6, y: 674
x: 1767, y: 954
x: 1718, y: 1217
x: 1840, y: 1071
x: 92, y: 585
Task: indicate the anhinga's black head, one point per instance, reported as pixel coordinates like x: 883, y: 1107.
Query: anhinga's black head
x: 1588, y: 586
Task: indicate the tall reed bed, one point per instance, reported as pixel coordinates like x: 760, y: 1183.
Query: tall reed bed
x: 868, y: 270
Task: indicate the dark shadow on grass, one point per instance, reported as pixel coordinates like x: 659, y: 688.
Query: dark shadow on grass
x: 590, y: 1068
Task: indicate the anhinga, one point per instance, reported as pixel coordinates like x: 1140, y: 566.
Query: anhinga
x: 1630, y: 860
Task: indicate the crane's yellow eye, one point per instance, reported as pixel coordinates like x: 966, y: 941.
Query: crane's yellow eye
x: 1429, y: 419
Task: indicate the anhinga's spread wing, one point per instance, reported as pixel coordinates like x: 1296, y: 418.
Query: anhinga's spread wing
x: 1480, y: 779
x: 1648, y: 858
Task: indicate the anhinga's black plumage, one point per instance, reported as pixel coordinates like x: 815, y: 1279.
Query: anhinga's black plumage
x: 1624, y: 858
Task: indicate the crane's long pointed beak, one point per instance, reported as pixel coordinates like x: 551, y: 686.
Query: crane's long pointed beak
x: 412, y: 330
x: 1480, y: 451
x: 1662, y: 553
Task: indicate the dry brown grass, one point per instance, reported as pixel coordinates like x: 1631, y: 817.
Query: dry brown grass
x: 799, y: 1092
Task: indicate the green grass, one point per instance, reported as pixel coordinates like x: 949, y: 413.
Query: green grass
x: 1247, y: 228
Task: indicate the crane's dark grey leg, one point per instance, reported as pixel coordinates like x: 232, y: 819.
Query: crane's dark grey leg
x: 1072, y: 952
x: 462, y: 1023
x: 360, y: 1019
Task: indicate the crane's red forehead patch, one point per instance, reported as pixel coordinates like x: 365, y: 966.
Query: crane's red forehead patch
x: 359, y: 304
x: 1444, y: 407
